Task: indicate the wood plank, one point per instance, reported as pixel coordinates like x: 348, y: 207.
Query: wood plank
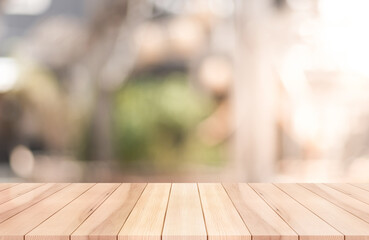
x: 364, y: 186
x: 16, y: 227
x: 351, y: 190
x: 108, y: 219
x: 184, y: 219
x: 18, y: 190
x: 147, y: 217
x: 4, y: 186
x: 221, y: 218
x: 303, y: 221
x: 61, y: 225
x: 184, y: 211
x: 350, y: 204
x: 351, y: 226
x: 28, y: 199
x: 260, y: 219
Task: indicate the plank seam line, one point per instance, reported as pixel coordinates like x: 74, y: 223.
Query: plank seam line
x: 166, y: 210
x: 298, y: 235
x: 116, y: 237
x: 357, y: 186
x: 37, y: 201
x: 239, y: 214
x: 70, y: 235
x: 339, y: 189
x: 202, y: 210
x: 16, y: 184
x: 24, y: 237
x: 42, y: 184
x: 335, y: 203
x: 347, y: 193
x: 344, y: 236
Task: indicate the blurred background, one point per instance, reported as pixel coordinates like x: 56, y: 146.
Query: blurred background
x: 184, y: 90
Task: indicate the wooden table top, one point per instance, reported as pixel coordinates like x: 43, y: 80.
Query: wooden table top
x: 181, y: 211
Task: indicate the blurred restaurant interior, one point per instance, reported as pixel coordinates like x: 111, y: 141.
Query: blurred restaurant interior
x: 184, y: 90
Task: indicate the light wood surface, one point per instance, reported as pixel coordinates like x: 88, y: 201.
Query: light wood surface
x: 17, y: 190
x: 351, y: 190
x: 364, y: 186
x: 349, y: 225
x: 109, y: 218
x: 61, y: 225
x: 302, y: 220
x: 348, y: 203
x: 183, y: 211
x: 4, y: 186
x: 16, y: 227
x: 184, y: 219
x: 254, y: 211
x: 147, y: 218
x: 222, y: 219
x: 28, y: 199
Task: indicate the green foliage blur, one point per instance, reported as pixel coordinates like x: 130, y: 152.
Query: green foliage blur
x: 154, y: 124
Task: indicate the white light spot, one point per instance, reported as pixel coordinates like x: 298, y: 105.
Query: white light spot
x: 9, y: 72
x: 26, y: 7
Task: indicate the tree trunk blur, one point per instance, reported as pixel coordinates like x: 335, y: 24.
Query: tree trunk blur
x: 111, y: 60
x: 254, y: 93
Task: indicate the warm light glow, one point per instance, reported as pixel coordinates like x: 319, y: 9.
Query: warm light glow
x: 216, y: 74
x: 305, y: 123
x: 186, y: 36
x: 151, y: 43
x: 22, y: 161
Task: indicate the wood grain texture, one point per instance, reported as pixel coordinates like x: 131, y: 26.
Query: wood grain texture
x: 61, y: 225
x: 4, y: 186
x: 352, y: 191
x: 350, y: 204
x: 255, y: 211
x: 16, y: 227
x: 184, y: 219
x: 147, y: 218
x: 221, y: 218
x: 108, y: 219
x: 164, y: 211
x: 17, y: 190
x: 364, y: 186
x: 351, y: 226
x: 28, y: 199
x: 303, y: 221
